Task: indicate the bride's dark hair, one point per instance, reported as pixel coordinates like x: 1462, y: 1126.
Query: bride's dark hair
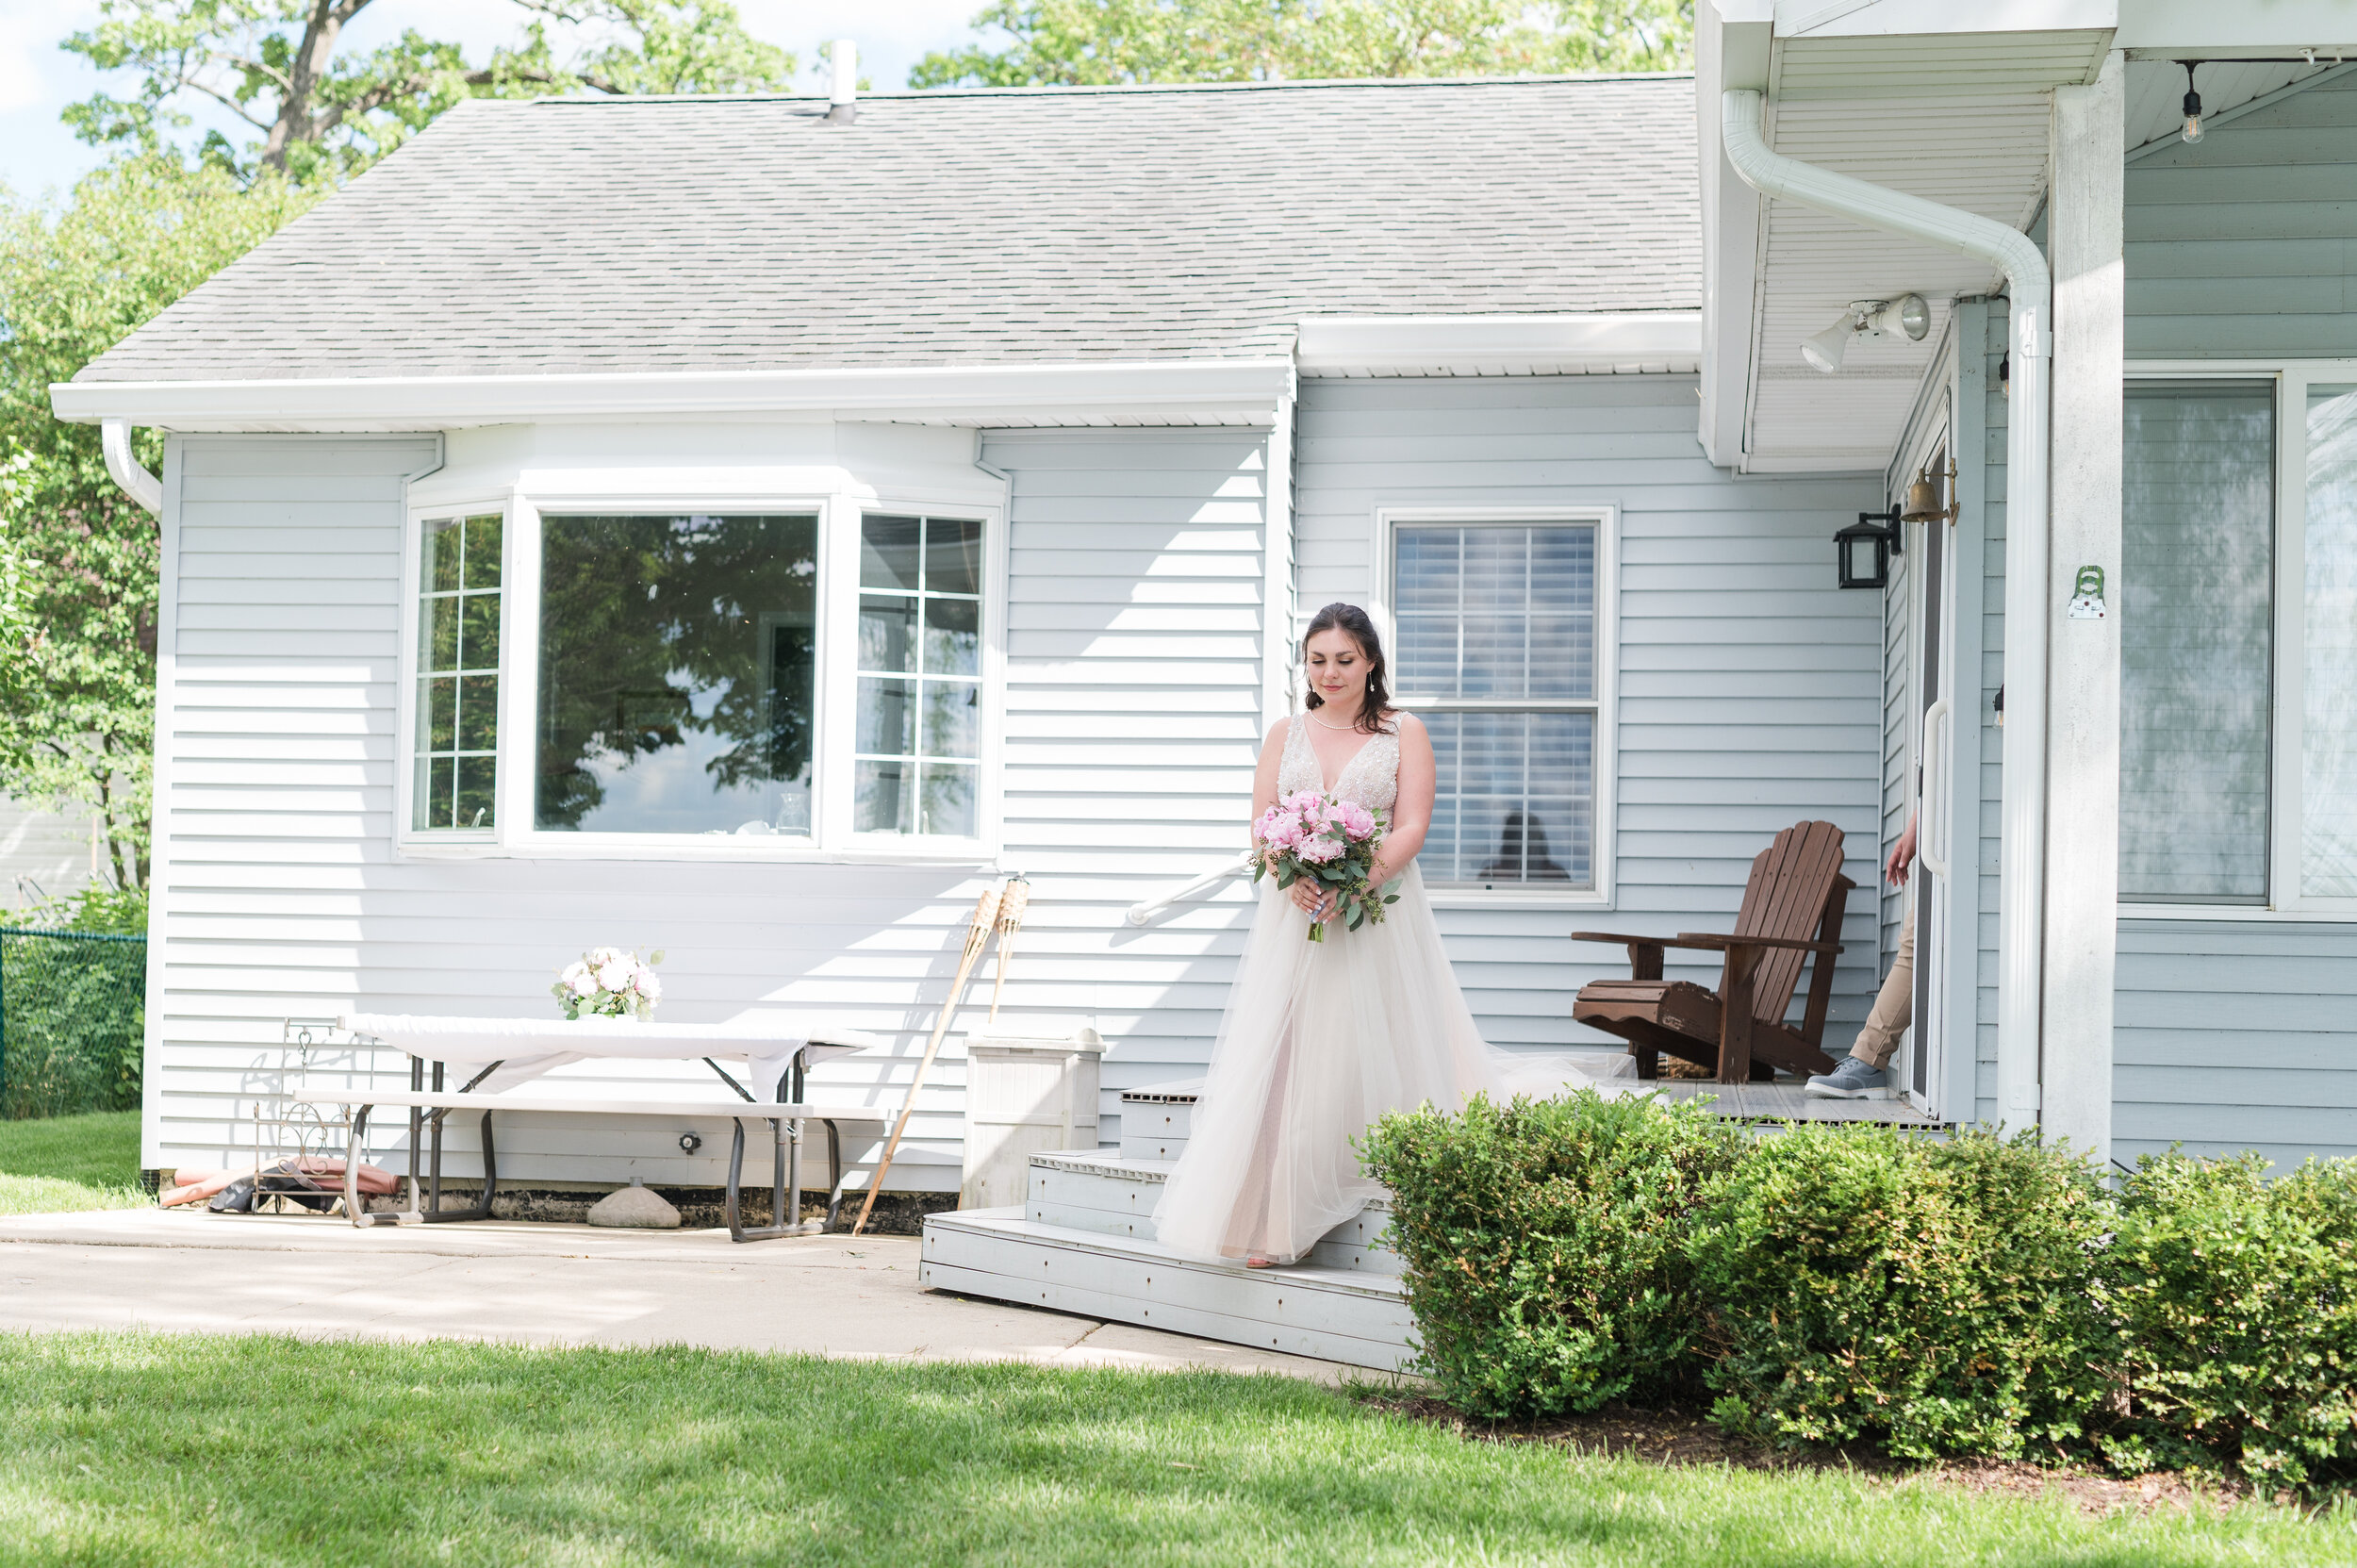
x: 1354, y: 623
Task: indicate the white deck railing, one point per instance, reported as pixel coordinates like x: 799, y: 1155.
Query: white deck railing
x: 1139, y: 914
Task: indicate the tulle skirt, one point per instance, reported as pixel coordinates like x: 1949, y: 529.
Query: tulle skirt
x: 1319, y: 1041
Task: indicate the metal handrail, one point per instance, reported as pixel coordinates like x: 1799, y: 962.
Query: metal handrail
x: 1141, y: 913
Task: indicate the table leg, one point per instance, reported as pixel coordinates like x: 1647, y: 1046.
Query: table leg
x: 835, y: 1176
x: 482, y: 1208
x: 353, y: 1208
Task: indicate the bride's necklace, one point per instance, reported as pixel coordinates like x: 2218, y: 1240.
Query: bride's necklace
x: 1311, y: 715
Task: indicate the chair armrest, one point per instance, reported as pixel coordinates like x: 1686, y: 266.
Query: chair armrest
x: 1703, y: 939
x: 1638, y: 941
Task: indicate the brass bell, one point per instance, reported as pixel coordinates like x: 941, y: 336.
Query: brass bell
x: 1923, y: 498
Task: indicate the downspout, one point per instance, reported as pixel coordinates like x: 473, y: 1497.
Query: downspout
x: 114, y: 440
x: 2022, y: 808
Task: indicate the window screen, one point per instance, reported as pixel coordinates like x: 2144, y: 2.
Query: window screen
x: 1496, y: 633
x: 2196, y: 606
x: 2327, y: 849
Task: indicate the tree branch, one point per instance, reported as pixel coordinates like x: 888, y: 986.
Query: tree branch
x: 247, y: 63
x: 225, y: 101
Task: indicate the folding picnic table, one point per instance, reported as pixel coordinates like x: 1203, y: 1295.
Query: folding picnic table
x: 498, y: 1054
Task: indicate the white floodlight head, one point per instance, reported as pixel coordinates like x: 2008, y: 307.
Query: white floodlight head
x: 1907, y: 315
x: 1824, y: 350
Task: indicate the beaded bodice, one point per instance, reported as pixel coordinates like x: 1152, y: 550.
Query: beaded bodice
x: 1371, y: 778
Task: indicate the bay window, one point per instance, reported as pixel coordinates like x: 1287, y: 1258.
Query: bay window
x: 809, y: 676
x: 1496, y: 648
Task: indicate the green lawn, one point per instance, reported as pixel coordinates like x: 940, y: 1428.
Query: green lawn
x: 135, y: 1450
x: 65, y: 1163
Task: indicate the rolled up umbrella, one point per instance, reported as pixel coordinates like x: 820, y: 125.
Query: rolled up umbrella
x: 977, y: 937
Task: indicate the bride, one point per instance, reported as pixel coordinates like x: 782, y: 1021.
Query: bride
x: 1320, y: 1039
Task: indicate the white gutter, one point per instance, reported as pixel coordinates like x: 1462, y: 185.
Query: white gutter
x: 114, y: 440
x: 2022, y: 810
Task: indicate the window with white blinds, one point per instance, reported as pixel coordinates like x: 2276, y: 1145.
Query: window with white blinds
x: 2196, y: 606
x: 1497, y: 652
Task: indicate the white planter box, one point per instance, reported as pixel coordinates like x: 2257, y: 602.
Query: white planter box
x: 1024, y: 1095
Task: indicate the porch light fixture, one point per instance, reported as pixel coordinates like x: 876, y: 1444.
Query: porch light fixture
x: 1862, y: 552
x: 2193, y: 103
x: 1907, y: 315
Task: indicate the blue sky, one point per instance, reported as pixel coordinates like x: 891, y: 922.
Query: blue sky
x: 37, y: 79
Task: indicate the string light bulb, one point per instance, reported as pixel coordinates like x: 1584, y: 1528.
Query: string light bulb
x: 2193, y: 105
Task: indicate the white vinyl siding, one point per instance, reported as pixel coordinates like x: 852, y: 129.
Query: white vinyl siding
x: 1134, y: 671
x: 1748, y: 687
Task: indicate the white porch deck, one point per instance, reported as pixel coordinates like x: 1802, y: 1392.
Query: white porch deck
x: 1083, y: 1240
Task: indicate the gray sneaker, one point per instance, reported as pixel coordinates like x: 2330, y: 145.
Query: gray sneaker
x: 1853, y: 1080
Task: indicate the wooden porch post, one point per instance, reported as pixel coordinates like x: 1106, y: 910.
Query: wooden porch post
x: 2084, y: 226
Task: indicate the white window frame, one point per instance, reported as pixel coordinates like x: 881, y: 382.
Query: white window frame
x: 1606, y: 518
x: 835, y: 686
x: 2286, y: 715
x: 464, y: 841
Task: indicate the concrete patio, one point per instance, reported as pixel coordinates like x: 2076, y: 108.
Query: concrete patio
x: 547, y: 1284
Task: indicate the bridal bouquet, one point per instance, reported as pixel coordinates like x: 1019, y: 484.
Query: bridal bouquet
x: 1332, y: 842
x: 608, y: 983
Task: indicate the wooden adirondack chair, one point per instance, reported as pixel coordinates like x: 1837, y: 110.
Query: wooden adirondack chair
x: 1791, y: 910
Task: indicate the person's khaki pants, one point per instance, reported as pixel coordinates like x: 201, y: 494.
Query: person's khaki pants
x: 1895, y: 1004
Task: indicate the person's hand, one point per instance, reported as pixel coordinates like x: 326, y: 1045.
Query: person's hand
x: 1314, y: 899
x: 1902, y: 857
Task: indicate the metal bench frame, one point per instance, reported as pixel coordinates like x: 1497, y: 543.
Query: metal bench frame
x: 429, y: 1107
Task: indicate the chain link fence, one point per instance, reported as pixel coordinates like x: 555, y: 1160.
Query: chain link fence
x: 72, y: 1022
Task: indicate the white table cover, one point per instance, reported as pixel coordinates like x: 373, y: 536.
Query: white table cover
x: 526, y: 1048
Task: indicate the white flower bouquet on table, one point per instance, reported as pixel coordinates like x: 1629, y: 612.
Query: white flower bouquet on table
x: 608, y: 983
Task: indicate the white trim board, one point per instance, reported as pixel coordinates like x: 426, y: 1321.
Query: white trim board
x: 1236, y: 391
x: 1646, y: 343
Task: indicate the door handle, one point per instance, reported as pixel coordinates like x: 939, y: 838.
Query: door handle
x: 1931, y: 822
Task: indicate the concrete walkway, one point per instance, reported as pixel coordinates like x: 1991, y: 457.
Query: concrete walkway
x: 547, y: 1284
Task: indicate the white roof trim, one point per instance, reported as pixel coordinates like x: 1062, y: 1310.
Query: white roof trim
x: 1176, y: 391
x: 1637, y: 342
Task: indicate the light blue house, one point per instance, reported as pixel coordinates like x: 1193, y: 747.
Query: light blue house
x: 708, y: 525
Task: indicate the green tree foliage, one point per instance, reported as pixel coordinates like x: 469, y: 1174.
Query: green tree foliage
x: 78, y: 664
x: 318, y: 112
x: 1105, y: 42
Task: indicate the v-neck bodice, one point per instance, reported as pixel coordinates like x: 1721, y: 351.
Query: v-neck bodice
x: 1371, y: 777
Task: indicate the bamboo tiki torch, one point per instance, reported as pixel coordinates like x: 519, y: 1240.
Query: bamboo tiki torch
x: 977, y: 937
x: 1011, y: 906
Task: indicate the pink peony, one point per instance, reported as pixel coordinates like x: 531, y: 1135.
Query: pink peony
x: 1281, y: 828
x: 1357, y: 820
x: 1317, y: 852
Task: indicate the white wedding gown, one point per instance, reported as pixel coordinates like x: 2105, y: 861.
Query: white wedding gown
x: 1319, y: 1041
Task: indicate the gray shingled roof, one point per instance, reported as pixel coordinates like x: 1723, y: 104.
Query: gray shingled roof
x: 954, y: 228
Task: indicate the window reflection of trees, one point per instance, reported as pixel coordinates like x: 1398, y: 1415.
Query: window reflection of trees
x: 660, y: 634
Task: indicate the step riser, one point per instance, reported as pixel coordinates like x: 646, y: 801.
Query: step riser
x: 1333, y: 1322
x: 1119, y: 1205
x: 1156, y: 1128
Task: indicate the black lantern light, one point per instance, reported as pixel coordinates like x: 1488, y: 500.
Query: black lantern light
x: 1863, y: 550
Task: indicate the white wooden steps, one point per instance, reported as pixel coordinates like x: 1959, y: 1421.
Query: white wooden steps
x: 1083, y: 1242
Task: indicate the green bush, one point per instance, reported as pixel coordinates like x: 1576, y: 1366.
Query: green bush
x: 1545, y: 1246
x: 2237, y: 1297
x: 1932, y: 1295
